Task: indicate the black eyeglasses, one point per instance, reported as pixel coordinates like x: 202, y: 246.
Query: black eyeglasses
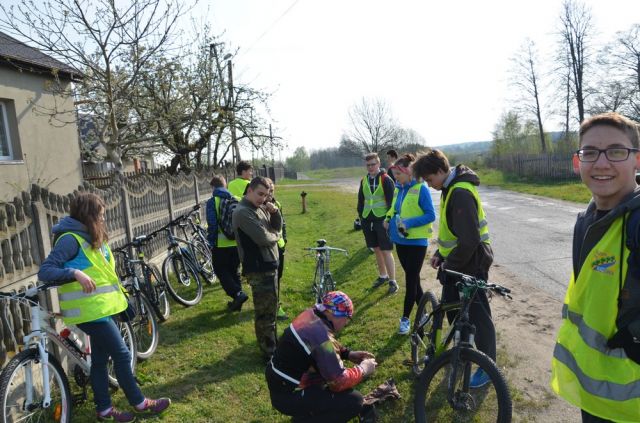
x: 614, y: 154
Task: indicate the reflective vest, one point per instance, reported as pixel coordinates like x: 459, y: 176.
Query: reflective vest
x: 281, y: 241
x: 585, y: 372
x: 223, y: 241
x: 447, y: 241
x: 107, y: 299
x: 373, y: 202
x: 410, y: 207
x: 237, y: 187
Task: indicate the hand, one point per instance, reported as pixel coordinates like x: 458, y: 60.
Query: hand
x: 385, y: 225
x: 88, y: 285
x: 358, y: 356
x: 435, y: 261
x: 624, y: 339
x: 368, y: 366
x: 270, y: 207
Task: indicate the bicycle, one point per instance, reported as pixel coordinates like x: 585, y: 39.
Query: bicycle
x: 33, y: 385
x: 147, y: 290
x: 180, y: 268
x: 443, y: 391
x: 196, y: 242
x: 323, y: 281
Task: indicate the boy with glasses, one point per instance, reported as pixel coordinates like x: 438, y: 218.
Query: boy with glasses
x: 596, y: 360
x: 374, y: 200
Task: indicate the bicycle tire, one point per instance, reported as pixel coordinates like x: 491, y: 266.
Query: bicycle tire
x: 318, y: 282
x: 156, y: 292
x: 422, y: 348
x: 13, y: 390
x: 182, y: 280
x: 145, y: 329
x: 126, y: 330
x: 490, y: 403
x: 204, y: 260
x: 328, y: 285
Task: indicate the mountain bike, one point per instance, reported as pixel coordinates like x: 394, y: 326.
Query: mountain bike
x: 180, y: 268
x: 323, y: 281
x: 195, y: 240
x: 33, y: 385
x: 148, y: 293
x: 442, y: 391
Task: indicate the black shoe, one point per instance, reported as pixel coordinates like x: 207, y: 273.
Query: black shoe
x: 236, y: 304
x: 368, y: 414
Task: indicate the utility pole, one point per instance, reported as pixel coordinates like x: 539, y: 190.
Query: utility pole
x: 212, y: 54
x: 235, y: 155
x: 271, y: 142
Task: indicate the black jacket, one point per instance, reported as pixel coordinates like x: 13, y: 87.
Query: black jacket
x: 388, y: 186
x: 470, y: 256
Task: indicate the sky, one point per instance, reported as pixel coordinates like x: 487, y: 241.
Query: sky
x: 444, y: 67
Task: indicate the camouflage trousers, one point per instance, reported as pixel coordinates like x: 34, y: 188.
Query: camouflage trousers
x: 264, y: 287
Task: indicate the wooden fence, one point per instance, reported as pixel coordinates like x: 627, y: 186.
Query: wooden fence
x: 541, y: 166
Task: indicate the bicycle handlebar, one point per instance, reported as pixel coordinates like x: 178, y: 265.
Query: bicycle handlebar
x: 326, y: 248
x: 469, y: 281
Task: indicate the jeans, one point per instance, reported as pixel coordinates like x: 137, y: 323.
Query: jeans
x: 106, y: 341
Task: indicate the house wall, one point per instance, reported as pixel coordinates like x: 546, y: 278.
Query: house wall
x: 45, y: 149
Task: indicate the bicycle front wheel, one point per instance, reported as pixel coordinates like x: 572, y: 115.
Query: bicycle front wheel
x: 145, y: 329
x: 442, y: 393
x: 182, y: 280
x: 158, y: 293
x: 327, y: 284
x: 205, y: 261
x: 422, y: 348
x: 22, y: 378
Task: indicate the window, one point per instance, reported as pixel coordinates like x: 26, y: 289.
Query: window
x: 5, y: 136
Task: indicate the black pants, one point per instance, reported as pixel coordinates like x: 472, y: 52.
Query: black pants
x: 480, y: 316
x: 411, y: 258
x: 589, y: 418
x: 226, y: 265
x: 316, y: 404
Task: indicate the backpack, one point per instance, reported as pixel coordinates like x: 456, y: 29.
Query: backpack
x: 225, y: 222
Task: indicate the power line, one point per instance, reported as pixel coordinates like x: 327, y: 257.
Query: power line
x: 270, y: 27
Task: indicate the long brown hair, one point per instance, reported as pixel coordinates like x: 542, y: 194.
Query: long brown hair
x: 86, y: 209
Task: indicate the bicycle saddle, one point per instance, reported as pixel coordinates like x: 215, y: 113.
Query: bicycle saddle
x: 321, y: 242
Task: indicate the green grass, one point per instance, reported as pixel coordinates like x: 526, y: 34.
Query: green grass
x: 337, y: 173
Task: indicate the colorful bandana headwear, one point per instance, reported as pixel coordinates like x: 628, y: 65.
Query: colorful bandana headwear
x: 338, y: 303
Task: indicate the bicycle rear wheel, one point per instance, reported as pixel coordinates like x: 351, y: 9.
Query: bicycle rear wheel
x: 422, y: 348
x: 145, y: 329
x: 317, y: 281
x: 156, y: 292
x: 204, y: 260
x: 490, y: 403
x: 13, y: 390
x: 182, y: 280
x: 126, y: 330
x: 327, y: 284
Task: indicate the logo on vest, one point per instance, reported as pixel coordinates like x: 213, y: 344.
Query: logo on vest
x: 603, y: 263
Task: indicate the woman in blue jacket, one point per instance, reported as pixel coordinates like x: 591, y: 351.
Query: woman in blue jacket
x: 409, y: 224
x: 90, y: 296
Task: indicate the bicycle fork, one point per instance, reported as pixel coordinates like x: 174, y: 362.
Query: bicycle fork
x: 459, y: 398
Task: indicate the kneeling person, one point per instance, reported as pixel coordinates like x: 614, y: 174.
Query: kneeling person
x: 306, y: 376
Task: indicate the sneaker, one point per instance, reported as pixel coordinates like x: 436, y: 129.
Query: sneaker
x: 380, y: 281
x: 236, y: 304
x: 393, y: 287
x: 281, y: 315
x: 405, y: 325
x: 152, y: 406
x: 479, y: 379
x: 115, y: 415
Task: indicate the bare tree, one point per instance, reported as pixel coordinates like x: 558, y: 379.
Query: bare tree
x: 575, y: 32
x: 623, y: 58
x: 527, y: 83
x: 373, y: 127
x: 111, y: 43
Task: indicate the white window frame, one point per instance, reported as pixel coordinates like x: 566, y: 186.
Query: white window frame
x: 5, y: 122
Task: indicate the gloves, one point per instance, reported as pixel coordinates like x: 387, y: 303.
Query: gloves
x: 624, y: 339
x: 368, y: 366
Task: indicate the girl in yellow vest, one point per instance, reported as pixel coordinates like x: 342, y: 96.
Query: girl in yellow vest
x: 90, y: 298
x: 596, y: 360
x: 409, y: 224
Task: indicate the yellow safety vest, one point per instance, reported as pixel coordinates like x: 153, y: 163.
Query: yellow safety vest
x: 373, y: 202
x: 447, y: 241
x: 410, y: 207
x: 237, y: 187
x: 281, y: 241
x: 107, y: 299
x: 585, y: 372
x: 223, y: 241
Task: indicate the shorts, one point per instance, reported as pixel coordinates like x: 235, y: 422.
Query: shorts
x: 375, y: 235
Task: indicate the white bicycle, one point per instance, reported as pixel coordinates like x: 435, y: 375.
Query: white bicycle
x: 33, y: 386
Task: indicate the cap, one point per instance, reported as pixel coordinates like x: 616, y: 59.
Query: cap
x: 338, y: 303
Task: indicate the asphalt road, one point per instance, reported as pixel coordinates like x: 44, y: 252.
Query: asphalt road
x: 531, y: 236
